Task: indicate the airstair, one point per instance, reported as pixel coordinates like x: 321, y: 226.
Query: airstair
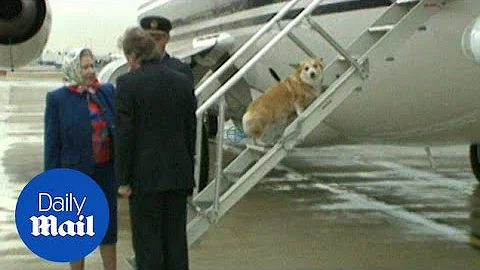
x: 342, y: 76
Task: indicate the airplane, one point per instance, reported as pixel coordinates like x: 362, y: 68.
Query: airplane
x: 415, y: 80
x: 423, y: 93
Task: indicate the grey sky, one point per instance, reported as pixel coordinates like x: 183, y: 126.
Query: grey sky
x: 92, y: 23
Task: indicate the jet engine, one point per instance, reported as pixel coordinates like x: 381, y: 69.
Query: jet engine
x: 24, y: 29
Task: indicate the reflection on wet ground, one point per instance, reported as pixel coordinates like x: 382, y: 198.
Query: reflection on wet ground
x: 370, y: 206
x: 343, y: 207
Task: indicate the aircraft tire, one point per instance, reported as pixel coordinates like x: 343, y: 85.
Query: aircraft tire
x: 474, y: 160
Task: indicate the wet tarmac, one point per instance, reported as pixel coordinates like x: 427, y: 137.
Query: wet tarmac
x: 344, y: 207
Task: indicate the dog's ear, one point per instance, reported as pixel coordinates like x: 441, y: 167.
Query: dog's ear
x: 319, y: 59
x: 294, y: 66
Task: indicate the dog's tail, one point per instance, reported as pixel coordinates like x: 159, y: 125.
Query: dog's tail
x: 274, y: 74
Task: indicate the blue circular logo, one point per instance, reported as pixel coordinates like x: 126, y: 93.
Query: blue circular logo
x: 62, y: 215
x: 235, y: 135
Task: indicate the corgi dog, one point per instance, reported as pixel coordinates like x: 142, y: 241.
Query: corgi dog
x: 289, y: 96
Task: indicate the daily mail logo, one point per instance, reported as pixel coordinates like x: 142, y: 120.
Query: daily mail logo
x: 48, y: 225
x: 62, y: 215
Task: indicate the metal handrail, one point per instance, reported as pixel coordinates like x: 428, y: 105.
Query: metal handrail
x: 235, y: 78
x: 219, y: 154
x: 245, y: 47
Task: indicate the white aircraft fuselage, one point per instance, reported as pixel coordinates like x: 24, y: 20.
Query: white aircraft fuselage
x: 426, y: 92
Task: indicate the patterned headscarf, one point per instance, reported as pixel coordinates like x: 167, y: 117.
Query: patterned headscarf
x: 72, y: 72
x: 71, y: 69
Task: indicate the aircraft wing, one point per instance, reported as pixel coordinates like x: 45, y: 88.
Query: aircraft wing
x: 206, y: 50
x: 187, y: 52
x: 113, y: 70
x: 198, y: 46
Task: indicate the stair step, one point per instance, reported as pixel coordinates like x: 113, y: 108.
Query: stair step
x: 258, y: 148
x: 201, y: 206
x: 381, y: 28
x: 341, y: 58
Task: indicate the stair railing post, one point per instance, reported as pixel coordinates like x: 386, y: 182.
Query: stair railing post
x: 219, y: 153
x: 198, y: 154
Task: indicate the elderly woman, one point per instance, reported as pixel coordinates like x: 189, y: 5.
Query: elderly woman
x: 79, y: 126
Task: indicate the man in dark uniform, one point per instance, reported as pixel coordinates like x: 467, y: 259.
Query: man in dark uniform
x: 159, y: 28
x: 155, y: 136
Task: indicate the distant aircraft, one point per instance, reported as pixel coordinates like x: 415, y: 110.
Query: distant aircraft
x: 100, y: 59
